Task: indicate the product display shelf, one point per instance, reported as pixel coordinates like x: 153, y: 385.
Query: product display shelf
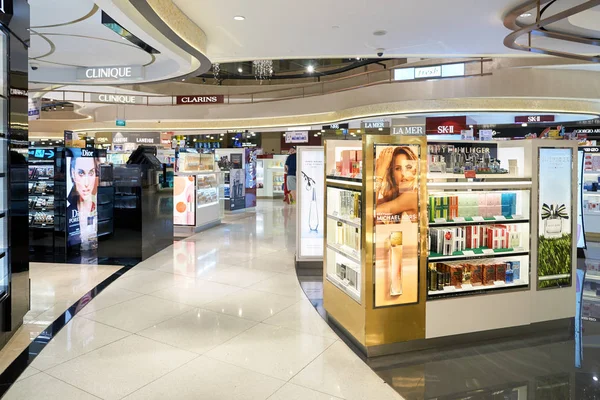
x: 475, y: 226
x: 273, y: 175
x: 41, y: 192
x: 590, y: 186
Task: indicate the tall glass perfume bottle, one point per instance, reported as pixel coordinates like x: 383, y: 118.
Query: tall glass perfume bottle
x: 313, y: 213
x: 395, y: 263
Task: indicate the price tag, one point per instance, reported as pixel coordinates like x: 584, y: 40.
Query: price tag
x: 500, y: 217
x: 488, y: 251
x: 459, y: 219
x: 517, y: 216
x: 470, y: 174
x: 449, y: 289
x: 469, y: 253
x: 467, y: 286
x: 478, y: 218
x: 519, y: 248
x: 440, y: 220
x: 499, y: 283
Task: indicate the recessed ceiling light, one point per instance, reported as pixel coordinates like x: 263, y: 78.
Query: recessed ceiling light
x: 322, y: 130
x: 525, y: 15
x: 358, y: 131
x: 380, y: 33
x: 380, y: 129
x: 316, y: 135
x: 240, y: 70
x: 183, y: 79
x: 239, y: 18
x: 310, y: 69
x: 595, y: 378
x: 524, y: 124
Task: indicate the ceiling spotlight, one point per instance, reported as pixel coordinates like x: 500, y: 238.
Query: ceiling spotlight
x: 524, y: 124
x: 316, y: 135
x: 283, y: 135
x: 239, y: 18
x: 525, y: 15
x: 357, y: 58
x: 240, y: 70
x: 221, y: 139
x: 470, y: 126
x: 310, y: 69
x: 380, y: 129
x: 322, y: 130
x: 183, y: 79
x: 195, y: 140
x: 595, y: 378
x: 358, y: 131
x: 222, y: 134
x: 380, y: 33
x: 62, y: 107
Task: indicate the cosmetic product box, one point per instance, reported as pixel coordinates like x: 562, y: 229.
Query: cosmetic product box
x: 459, y: 239
x: 497, y: 237
x: 501, y: 272
x: 456, y: 276
x: 346, y: 163
x: 515, y: 266
x: 473, y: 237
x: 476, y: 274
x: 449, y: 243
x: 489, y: 274
x: 453, y: 211
x: 466, y: 278
x: 432, y: 276
x: 509, y: 274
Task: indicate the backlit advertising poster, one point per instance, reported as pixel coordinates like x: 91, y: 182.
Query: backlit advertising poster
x: 237, y: 178
x: 311, y: 181
x: 396, y: 241
x: 555, y: 239
x: 580, y: 226
x: 251, y: 155
x: 184, y: 200
x: 82, y: 199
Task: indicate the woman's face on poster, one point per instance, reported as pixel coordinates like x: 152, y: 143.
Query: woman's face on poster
x: 405, y: 171
x: 84, y: 177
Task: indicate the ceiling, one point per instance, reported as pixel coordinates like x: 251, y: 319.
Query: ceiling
x: 344, y: 28
x: 69, y: 34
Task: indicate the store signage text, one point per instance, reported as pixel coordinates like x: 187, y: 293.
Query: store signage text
x: 296, y: 137
x: 19, y: 92
x: 428, y: 72
x: 110, y: 73
x: 136, y: 137
x: 375, y: 125
x: 446, y: 125
x: 116, y: 98
x: 335, y: 127
x: 596, y: 130
x: 121, y: 122
x: 415, y: 130
x: 205, y: 99
x: 534, y: 118
x: 87, y: 153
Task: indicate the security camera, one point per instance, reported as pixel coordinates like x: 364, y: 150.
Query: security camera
x: 34, y: 67
x: 380, y: 52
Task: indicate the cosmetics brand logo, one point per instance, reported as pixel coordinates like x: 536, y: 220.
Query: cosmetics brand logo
x: 205, y: 99
x: 375, y: 125
x: 409, y: 130
x: 534, y: 118
x: 116, y: 98
x: 445, y: 129
x: 87, y: 153
x: 110, y: 73
x: 428, y: 72
x: 335, y: 127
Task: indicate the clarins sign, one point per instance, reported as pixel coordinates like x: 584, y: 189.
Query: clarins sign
x: 123, y: 73
x: 201, y: 99
x: 116, y: 98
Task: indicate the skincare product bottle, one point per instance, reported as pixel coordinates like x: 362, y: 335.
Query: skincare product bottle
x: 395, y: 263
x: 357, y: 240
x: 313, y: 213
x: 340, y: 234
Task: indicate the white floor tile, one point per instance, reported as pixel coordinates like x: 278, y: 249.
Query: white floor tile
x: 148, y: 281
x: 282, y: 284
x: 240, y: 276
x: 251, y: 304
x: 289, y: 391
x: 139, y: 313
x: 302, y: 317
x: 271, y: 350
x: 198, y: 330
x: 339, y: 372
x: 109, y: 297
x: 44, y: 387
x: 120, y: 368
x: 205, y: 378
x: 29, y: 371
x: 275, y: 263
x: 196, y: 292
x: 78, y: 337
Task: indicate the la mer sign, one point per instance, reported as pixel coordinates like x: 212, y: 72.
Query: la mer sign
x: 122, y: 73
x: 201, y: 99
x: 414, y: 130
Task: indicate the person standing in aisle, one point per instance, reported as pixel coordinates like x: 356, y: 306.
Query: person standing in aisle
x: 290, y: 170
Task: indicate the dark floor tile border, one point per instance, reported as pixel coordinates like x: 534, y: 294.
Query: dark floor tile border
x: 23, y: 360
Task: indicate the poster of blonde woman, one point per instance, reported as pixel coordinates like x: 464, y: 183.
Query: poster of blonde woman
x: 396, y: 184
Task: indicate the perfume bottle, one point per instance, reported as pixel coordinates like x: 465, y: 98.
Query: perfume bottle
x: 395, y: 263
x: 340, y: 234
x: 313, y: 213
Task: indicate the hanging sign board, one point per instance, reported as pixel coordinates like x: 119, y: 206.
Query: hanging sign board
x: 199, y: 100
x: 122, y: 73
x: 296, y: 137
x: 375, y: 125
x: 116, y: 98
x: 534, y: 118
x: 411, y: 130
x: 335, y: 127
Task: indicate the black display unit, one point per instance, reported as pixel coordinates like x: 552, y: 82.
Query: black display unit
x: 40, y: 190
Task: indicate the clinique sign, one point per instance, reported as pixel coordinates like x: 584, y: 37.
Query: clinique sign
x: 116, y: 98
x: 122, y: 73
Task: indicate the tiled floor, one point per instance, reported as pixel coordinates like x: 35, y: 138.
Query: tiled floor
x: 218, y: 316
x: 54, y: 288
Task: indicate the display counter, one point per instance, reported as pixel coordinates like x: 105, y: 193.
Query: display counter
x: 417, y: 231
x: 196, y: 202
x: 590, y: 186
x: 271, y: 172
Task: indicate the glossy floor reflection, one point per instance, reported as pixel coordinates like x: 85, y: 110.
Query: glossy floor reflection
x: 54, y: 288
x: 220, y: 315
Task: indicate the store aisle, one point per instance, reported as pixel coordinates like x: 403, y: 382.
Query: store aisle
x: 218, y: 316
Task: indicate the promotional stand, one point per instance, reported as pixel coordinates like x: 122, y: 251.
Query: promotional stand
x: 271, y: 172
x: 493, y: 234
x: 232, y: 162
x: 310, y: 216
x: 196, y: 202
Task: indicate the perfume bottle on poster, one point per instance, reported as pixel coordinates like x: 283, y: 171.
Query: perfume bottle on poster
x: 313, y: 213
x: 395, y: 263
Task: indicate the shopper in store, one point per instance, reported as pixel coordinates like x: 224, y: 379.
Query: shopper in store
x: 396, y: 184
x: 290, y: 170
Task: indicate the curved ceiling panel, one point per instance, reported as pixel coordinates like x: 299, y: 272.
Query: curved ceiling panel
x: 39, y: 46
x: 51, y: 13
x: 70, y: 51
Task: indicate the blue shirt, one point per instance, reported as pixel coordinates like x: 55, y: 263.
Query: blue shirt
x: 290, y: 163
